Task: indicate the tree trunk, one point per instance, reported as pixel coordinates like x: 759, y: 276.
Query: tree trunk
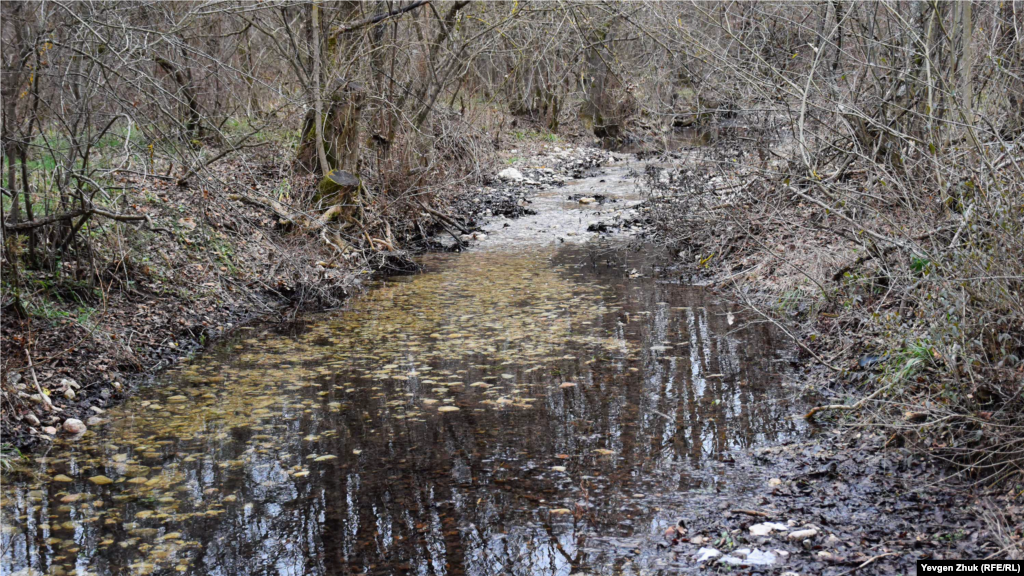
x: 340, y: 132
x: 324, y: 164
x: 193, y: 120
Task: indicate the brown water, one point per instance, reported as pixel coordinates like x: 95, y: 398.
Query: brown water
x: 534, y: 412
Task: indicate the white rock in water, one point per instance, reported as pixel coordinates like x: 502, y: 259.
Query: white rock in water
x: 74, y: 426
x: 803, y: 534
x: 587, y: 200
x: 510, y: 174
x: 748, y: 557
x: 705, y: 554
x: 767, y: 528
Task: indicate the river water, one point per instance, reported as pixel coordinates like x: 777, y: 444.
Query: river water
x: 537, y: 407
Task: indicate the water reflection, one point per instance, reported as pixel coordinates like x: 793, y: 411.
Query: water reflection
x: 502, y: 414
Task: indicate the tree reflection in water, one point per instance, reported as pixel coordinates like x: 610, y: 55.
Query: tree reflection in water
x: 506, y: 413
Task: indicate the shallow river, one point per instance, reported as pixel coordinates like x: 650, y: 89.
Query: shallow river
x: 533, y: 411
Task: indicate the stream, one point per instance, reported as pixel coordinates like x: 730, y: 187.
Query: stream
x: 539, y: 404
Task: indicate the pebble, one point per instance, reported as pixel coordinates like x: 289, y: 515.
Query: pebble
x: 803, y: 534
x: 69, y: 394
x: 50, y: 430
x: 69, y: 383
x: 74, y: 426
x: 94, y: 421
x: 774, y: 482
x: 767, y: 528
x: 510, y: 174
x: 32, y: 419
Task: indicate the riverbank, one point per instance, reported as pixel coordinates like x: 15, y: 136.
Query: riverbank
x: 883, y: 382
x: 218, y: 256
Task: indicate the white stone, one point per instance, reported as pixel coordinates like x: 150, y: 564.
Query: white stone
x: 510, y: 174
x: 803, y: 534
x: 747, y: 557
x: 705, y: 554
x: 767, y: 528
x: 74, y: 426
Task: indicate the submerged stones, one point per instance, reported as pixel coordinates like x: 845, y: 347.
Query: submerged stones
x: 435, y: 377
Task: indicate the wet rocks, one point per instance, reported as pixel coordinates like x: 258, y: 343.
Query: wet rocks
x: 74, y: 426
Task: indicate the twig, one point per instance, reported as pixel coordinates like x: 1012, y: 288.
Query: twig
x: 817, y: 356
x: 860, y: 403
x: 752, y: 513
x: 46, y: 399
x: 442, y: 217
